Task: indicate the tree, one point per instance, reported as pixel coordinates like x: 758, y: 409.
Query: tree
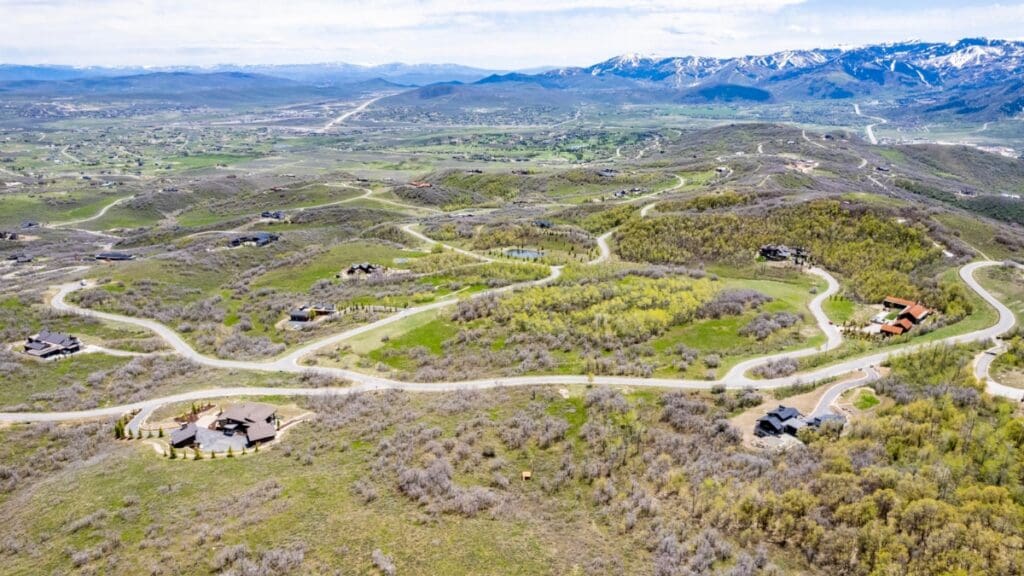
x: 173, y: 453
x: 231, y: 453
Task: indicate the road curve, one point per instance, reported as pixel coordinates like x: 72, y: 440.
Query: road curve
x: 830, y: 396
x: 983, y: 364
x: 363, y: 382
x: 102, y: 212
x: 833, y: 338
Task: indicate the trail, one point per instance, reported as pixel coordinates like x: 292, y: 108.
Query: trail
x: 64, y: 152
x: 102, y: 212
x: 818, y: 144
x: 408, y: 229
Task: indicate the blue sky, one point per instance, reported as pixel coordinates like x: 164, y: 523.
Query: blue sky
x: 501, y: 34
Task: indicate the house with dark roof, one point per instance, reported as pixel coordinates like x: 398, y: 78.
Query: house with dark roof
x: 257, y: 421
x: 185, y: 435
x: 775, y: 252
x: 364, y: 268
x: 260, y: 432
x: 272, y: 215
x: 254, y: 239
x: 777, y: 421
x: 310, y: 312
x: 48, y: 344
x: 788, y: 420
x: 115, y: 256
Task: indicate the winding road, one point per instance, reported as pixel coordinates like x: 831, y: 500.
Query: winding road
x: 363, y: 382
x: 737, y: 377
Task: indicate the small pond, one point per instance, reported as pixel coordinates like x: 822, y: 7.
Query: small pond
x: 523, y: 253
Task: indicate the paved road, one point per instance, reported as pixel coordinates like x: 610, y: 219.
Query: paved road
x: 870, y: 128
x: 983, y: 363
x: 357, y: 110
x: 830, y: 396
x: 833, y: 338
x: 291, y: 362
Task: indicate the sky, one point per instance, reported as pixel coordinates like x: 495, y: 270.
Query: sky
x: 494, y: 34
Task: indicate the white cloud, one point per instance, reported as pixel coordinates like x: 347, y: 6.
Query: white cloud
x: 493, y: 33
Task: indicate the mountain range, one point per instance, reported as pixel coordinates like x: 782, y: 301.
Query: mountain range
x: 974, y: 78
x: 977, y: 77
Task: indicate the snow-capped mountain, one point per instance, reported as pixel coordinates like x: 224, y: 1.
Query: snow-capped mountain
x: 973, y: 76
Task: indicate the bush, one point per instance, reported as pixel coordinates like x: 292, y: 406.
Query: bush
x: 777, y: 368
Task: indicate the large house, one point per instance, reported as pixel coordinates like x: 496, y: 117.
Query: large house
x: 363, y: 268
x: 257, y: 421
x: 254, y: 239
x: 911, y: 314
x: 48, y: 344
x: 781, y: 420
x: 185, y: 435
x: 310, y: 312
x: 781, y: 253
x: 788, y: 420
x: 115, y: 256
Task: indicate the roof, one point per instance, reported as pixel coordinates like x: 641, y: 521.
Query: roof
x: 898, y: 301
x: 55, y: 338
x: 795, y: 424
x: 825, y: 418
x: 784, y: 412
x: 256, y: 237
x: 917, y: 311
x: 260, y: 431
x: 770, y: 421
x: 184, y: 434
x: 905, y: 323
x: 114, y: 256
x: 249, y: 412
x: 892, y: 329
